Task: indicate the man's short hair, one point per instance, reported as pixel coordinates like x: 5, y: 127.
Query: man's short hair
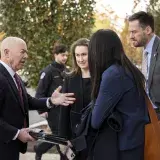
x: 10, y: 41
x: 59, y: 48
x: 145, y: 19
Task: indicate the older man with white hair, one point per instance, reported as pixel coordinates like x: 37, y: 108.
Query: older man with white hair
x: 15, y: 102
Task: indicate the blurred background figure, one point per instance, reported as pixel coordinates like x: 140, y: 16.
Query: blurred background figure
x: 50, y: 78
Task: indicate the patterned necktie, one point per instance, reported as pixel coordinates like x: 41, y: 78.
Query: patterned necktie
x: 145, y: 65
x: 18, y: 82
x: 19, y: 87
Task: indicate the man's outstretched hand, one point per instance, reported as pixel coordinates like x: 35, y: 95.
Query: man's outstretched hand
x: 64, y: 99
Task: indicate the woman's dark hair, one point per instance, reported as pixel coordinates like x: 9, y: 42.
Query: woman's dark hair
x: 79, y: 42
x: 105, y: 49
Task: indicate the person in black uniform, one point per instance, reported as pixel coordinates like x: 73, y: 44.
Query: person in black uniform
x: 51, y: 77
x: 78, y: 82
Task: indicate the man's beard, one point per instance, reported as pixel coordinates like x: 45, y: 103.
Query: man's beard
x: 141, y: 43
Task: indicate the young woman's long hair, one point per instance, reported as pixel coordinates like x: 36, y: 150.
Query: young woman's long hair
x: 105, y: 49
x: 80, y: 42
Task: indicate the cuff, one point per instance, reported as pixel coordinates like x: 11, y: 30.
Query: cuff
x: 15, y: 137
x: 48, y: 103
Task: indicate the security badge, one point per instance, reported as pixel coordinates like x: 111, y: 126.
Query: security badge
x: 56, y: 77
x: 42, y: 75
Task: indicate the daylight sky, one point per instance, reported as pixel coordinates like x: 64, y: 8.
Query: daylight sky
x: 121, y: 7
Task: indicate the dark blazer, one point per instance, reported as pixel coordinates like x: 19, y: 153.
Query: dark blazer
x: 118, y: 93
x: 70, y: 116
x: 12, y: 115
x: 154, y: 73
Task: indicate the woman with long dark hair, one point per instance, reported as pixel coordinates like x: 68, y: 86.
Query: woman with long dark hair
x: 117, y: 86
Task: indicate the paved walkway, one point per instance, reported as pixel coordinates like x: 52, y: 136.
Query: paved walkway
x: 31, y: 156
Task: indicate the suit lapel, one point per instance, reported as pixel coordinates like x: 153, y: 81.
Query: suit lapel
x: 153, y: 60
x: 12, y: 84
x: 24, y: 93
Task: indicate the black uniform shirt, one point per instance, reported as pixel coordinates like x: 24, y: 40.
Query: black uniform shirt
x: 51, y: 77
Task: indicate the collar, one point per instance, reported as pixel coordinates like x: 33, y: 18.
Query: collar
x: 8, y: 68
x: 150, y: 45
x: 59, y: 66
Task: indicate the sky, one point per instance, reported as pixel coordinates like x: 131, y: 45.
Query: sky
x: 121, y: 7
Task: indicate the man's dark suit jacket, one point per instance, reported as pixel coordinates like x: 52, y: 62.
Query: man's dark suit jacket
x: 12, y: 115
x: 154, y: 73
